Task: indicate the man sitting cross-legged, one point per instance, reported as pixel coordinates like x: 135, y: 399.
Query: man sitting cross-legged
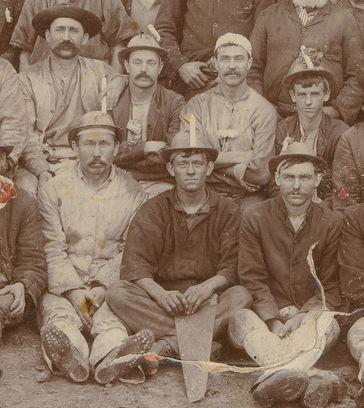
x: 86, y: 211
x: 275, y: 239
x: 181, y: 249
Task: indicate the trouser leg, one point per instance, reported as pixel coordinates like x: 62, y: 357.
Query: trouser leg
x: 355, y: 342
x: 58, y: 311
x: 108, y: 332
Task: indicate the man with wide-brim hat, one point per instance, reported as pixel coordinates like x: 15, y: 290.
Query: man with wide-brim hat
x: 274, y: 243
x: 148, y: 112
x: 189, y: 255
x: 62, y: 88
x: 106, y: 22
x: 88, y: 207
x: 310, y: 85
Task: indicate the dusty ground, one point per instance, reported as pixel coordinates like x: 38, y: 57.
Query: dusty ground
x: 20, y: 361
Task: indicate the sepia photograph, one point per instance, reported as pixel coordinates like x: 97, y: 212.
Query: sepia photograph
x: 181, y: 203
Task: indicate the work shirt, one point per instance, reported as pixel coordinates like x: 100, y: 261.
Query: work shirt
x: 116, y: 28
x: 190, y: 28
x: 243, y: 131
x: 85, y: 229
x: 273, y: 257
x: 164, y: 246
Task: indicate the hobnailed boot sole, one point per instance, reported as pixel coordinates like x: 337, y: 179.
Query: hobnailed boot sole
x: 63, y: 354
x: 283, y: 386
x: 129, y: 355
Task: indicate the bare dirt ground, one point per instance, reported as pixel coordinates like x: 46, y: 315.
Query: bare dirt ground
x: 21, y: 362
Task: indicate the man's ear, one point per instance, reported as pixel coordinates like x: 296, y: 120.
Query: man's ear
x: 46, y: 35
x: 170, y: 169
x: 277, y: 179
x: 210, y: 167
x: 292, y: 95
x: 327, y: 95
x: 161, y: 65
x: 85, y: 38
x: 126, y: 65
x: 318, y: 178
x: 250, y: 63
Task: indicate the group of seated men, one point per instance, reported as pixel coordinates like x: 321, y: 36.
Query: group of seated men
x: 138, y: 207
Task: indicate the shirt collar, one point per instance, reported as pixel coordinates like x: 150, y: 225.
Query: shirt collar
x: 244, y: 95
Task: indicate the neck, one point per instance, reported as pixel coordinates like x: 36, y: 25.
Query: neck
x: 97, y: 180
x: 63, y: 66
x: 310, y: 124
x: 141, y: 94
x: 191, y: 201
x: 234, y: 92
x: 295, y: 211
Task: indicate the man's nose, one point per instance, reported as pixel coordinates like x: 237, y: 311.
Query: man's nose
x: 308, y: 100
x: 296, y: 183
x: 66, y: 35
x: 190, y: 169
x: 96, y: 152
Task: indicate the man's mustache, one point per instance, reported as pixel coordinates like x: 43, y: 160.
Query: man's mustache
x: 96, y: 161
x: 66, y: 44
x: 143, y: 75
x: 232, y: 72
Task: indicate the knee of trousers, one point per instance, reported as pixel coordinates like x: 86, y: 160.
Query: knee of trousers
x: 238, y: 298
x: 355, y: 339
x: 119, y: 295
x: 245, y: 321
x: 5, y: 303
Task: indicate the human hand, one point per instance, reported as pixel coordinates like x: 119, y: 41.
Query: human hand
x: 191, y: 74
x: 292, y: 324
x: 275, y: 326
x: 114, y: 89
x: 18, y: 291
x: 98, y: 294
x: 196, y: 295
x: 79, y: 298
x: 172, y: 301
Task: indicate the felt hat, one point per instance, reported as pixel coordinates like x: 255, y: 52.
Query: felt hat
x: 182, y: 142
x: 296, y: 150
x: 143, y: 42
x: 309, y: 63
x: 236, y: 39
x: 95, y: 120
x: 90, y: 22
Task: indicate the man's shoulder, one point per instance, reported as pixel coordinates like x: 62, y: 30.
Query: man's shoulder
x: 274, y: 9
x: 334, y: 125
x: 260, y: 105
x: 21, y: 205
x: 354, y: 216
x: 126, y: 181
x: 325, y: 216
x: 169, y: 94
x: 257, y: 213
x: 225, y: 205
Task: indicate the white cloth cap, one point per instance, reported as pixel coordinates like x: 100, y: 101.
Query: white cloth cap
x: 237, y: 39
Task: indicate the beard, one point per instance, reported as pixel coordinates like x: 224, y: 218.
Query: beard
x: 310, y: 3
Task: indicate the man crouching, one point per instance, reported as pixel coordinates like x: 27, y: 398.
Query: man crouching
x: 86, y: 212
x: 181, y: 249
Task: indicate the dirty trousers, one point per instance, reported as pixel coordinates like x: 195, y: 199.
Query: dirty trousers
x: 107, y: 330
x: 355, y: 342
x: 300, y: 350
x: 138, y: 311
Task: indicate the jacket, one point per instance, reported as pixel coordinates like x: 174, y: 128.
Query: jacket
x: 163, y: 124
x: 348, y: 169
x: 160, y: 246
x: 13, y: 125
x: 21, y: 245
x: 333, y: 30
x: 39, y: 94
x: 329, y: 134
x: 272, y: 257
x: 351, y: 256
x: 190, y: 28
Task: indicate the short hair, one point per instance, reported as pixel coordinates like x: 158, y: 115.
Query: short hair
x: 189, y: 153
x: 229, y: 44
x: 297, y: 160
x: 307, y: 81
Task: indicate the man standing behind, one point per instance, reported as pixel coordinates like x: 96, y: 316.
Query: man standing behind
x: 310, y: 85
x: 236, y: 121
x: 86, y: 211
x: 189, y: 30
x: 148, y: 112
x: 274, y: 242
x: 60, y: 89
x: 315, y: 24
x: 181, y: 249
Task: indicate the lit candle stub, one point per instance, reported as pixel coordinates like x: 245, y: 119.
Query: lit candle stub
x: 103, y: 92
x: 193, y: 137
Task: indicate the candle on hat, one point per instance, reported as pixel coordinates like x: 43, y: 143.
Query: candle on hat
x: 103, y: 92
x: 193, y: 138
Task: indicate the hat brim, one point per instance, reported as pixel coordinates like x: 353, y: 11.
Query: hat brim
x: 274, y: 161
x: 211, y: 153
x: 310, y: 73
x: 7, y: 149
x: 119, y: 134
x: 90, y: 22
x: 125, y: 52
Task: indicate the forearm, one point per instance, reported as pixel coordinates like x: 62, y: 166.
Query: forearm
x: 217, y: 283
x: 151, y: 287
